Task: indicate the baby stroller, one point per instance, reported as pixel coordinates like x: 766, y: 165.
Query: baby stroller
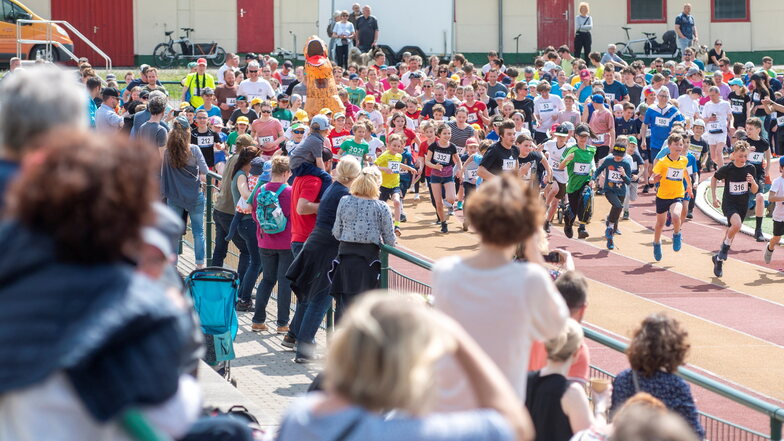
x: 214, y: 294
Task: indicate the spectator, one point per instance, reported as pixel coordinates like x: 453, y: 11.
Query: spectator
x: 644, y: 423
x: 70, y: 242
x: 504, y: 212
x: 658, y: 347
x: 343, y: 33
x: 583, y: 24
x: 383, y: 341
x: 715, y: 56
x: 611, y: 57
x: 685, y: 28
x: 195, y: 82
x: 142, y: 117
x: 366, y: 30
x: 152, y: 131
x: 362, y: 224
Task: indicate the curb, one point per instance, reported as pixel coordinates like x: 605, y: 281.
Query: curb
x: 707, y: 208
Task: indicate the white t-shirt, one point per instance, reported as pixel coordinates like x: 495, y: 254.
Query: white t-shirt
x: 554, y: 157
x: 549, y: 110
x: 221, y: 71
x: 505, y: 309
x: 688, y: 106
x: 778, y: 189
x: 721, y: 109
x: 258, y: 89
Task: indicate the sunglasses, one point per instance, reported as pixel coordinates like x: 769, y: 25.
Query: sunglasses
x: 253, y: 71
x: 266, y: 111
x: 427, y: 87
x: 298, y: 132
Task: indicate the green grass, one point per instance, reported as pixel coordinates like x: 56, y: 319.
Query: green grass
x: 175, y: 90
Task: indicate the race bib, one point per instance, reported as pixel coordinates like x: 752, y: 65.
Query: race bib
x: 780, y: 120
x: 231, y: 101
x: 739, y: 188
x: 473, y: 174
x: 690, y: 169
x: 582, y: 168
x: 441, y: 158
x: 696, y: 149
x: 545, y: 107
x: 472, y: 118
x: 265, y: 139
x: 599, y: 139
x: 527, y: 175
x: 756, y: 157
x: 674, y: 174
x: 554, y: 163
x: 285, y: 123
x: 714, y: 126
x: 337, y: 142
x: 737, y: 108
x: 609, y: 97
x: 662, y: 122
x: 614, y: 176
x: 394, y: 166
x: 509, y: 164
x: 205, y: 141
x: 392, y: 102
x: 634, y: 167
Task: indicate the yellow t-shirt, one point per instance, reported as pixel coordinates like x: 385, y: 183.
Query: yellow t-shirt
x: 673, y: 173
x: 392, y: 96
x: 392, y: 161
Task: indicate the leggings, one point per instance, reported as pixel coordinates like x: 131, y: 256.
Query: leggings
x: 575, y: 203
x: 582, y: 40
x: 616, y: 202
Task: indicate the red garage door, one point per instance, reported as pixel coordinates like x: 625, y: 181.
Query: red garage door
x: 108, y: 24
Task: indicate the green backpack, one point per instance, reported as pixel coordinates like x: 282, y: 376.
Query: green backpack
x: 271, y: 218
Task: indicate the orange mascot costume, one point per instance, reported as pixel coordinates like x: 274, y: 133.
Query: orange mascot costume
x: 322, y: 90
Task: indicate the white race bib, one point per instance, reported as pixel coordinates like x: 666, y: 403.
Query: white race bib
x: 231, y: 101
x: 739, y: 188
x: 265, y: 139
x: 582, y: 168
x: 690, y: 169
x: 780, y: 120
x: 336, y: 142
x: 473, y: 174
x: 609, y: 97
x: 614, y: 176
x: 545, y: 107
x: 674, y: 174
x: 472, y: 118
x: 394, y: 166
x: 634, y: 167
x: 737, y: 108
x: 205, y: 141
x: 285, y: 123
x: 441, y: 158
x: 599, y: 139
x: 756, y: 157
x: 662, y: 122
x: 509, y: 164
x: 392, y: 102
x: 714, y: 126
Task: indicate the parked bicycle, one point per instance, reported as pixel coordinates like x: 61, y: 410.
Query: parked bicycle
x: 167, y: 54
x: 648, y: 47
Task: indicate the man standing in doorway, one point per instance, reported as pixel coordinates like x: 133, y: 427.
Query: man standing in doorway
x: 685, y: 28
x: 367, y: 30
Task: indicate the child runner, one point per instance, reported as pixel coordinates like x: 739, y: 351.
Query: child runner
x: 776, y: 196
x: 442, y: 158
x: 658, y: 121
x: 578, y: 161
x: 530, y: 160
x: 759, y: 157
x: 555, y: 192
x: 391, y: 163
x: 618, y: 174
x: 241, y: 129
x: 356, y: 146
x: 297, y: 135
x: 697, y: 147
x: 471, y: 160
x: 692, y: 170
x: 740, y: 183
x: 638, y: 166
x: 669, y: 173
x: 338, y: 134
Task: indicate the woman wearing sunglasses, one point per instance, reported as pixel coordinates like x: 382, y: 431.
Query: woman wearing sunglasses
x: 267, y: 131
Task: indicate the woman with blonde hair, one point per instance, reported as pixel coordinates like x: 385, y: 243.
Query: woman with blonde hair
x: 382, y: 358
x: 583, y: 23
x: 308, y: 272
x: 362, y: 224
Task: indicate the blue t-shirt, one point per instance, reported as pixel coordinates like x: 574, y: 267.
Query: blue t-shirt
x: 659, y: 122
x: 623, y: 127
x: 328, y: 207
x: 214, y: 111
x: 613, y: 181
x: 614, y: 92
x: 408, y: 160
x: 686, y: 23
x: 585, y: 94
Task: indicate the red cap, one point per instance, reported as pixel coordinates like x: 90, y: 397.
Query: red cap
x: 201, y: 61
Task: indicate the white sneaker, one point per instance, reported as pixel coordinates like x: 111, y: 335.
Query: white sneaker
x: 768, y: 254
x: 416, y: 196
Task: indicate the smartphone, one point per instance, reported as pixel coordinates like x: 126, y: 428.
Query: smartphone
x: 552, y: 257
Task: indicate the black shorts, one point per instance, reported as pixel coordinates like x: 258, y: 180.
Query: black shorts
x: 561, y: 190
x: 663, y: 205
x: 778, y: 228
x: 728, y: 210
x: 386, y: 193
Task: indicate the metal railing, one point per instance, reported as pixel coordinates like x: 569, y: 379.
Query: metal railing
x: 715, y: 427
x: 49, y: 42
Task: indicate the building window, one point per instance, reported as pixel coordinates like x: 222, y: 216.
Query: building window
x: 646, y: 11
x: 730, y: 10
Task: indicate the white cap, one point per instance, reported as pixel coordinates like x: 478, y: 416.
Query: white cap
x: 617, y: 107
x: 548, y: 66
x: 698, y: 122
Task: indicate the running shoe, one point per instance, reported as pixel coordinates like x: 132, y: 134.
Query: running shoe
x: 444, y: 228
x: 625, y: 214
x: 645, y: 189
x: 451, y: 211
x: 676, y: 242
x: 398, y: 233
x: 459, y: 205
x: 689, y: 215
x: 669, y: 220
x: 724, y: 251
x: 759, y: 236
x: 657, y: 251
x: 617, y: 231
x: 416, y: 196
x: 581, y: 233
x: 547, y: 227
x: 568, y: 222
x: 717, y: 263
x: 244, y: 305
x: 768, y: 254
x: 608, y: 233
x: 403, y: 217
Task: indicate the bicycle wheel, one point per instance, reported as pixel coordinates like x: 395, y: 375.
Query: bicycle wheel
x: 220, y: 57
x: 164, y: 55
x: 624, y: 50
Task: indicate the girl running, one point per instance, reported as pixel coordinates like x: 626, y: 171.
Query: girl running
x: 578, y: 161
x: 444, y: 162
x: 555, y: 192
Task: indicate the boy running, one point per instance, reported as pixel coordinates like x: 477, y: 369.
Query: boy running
x: 638, y: 165
x: 669, y: 173
x: 740, y: 183
x: 759, y: 157
x: 578, y: 161
x: 776, y: 196
x: 390, y: 163
x: 617, y: 175
x: 555, y: 192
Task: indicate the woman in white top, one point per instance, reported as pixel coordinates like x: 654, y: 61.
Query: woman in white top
x: 583, y: 24
x: 343, y: 33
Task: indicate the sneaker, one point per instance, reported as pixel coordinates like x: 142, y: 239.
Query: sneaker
x: 450, y: 212
x: 301, y: 359
x: 625, y: 214
x: 282, y: 330
x: 416, y: 196
x: 608, y: 233
x: 657, y: 251
x: 568, y: 221
x: 437, y: 221
x: 581, y: 233
x: 617, y: 231
x: 768, y: 254
x: 689, y: 215
x: 759, y: 236
x: 398, y: 233
x: 724, y: 251
x: 717, y: 263
x: 403, y: 217
x: 669, y: 220
x: 547, y: 227
x: 244, y: 305
x: 258, y: 327
x: 289, y: 341
x: 676, y: 242
x: 444, y: 228
x: 645, y: 189
x: 459, y: 205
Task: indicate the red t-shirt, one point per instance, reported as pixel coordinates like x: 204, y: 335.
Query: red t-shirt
x: 474, y: 111
x: 580, y: 367
x: 336, y: 138
x: 305, y: 187
x: 408, y: 134
x: 423, y: 145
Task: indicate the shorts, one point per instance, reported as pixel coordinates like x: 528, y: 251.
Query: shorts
x: 715, y: 138
x: 561, y: 190
x: 778, y: 228
x: 645, y: 154
x: 405, y: 184
x: 663, y: 205
x: 441, y: 179
x: 468, y: 188
x: 729, y: 210
x: 386, y: 193
x: 653, y: 154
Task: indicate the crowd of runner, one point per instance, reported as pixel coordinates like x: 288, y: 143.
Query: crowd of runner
x: 308, y: 199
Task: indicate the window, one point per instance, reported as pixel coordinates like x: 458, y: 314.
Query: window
x: 646, y: 11
x: 730, y: 10
x: 10, y: 12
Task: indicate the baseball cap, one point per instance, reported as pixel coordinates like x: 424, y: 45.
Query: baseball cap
x: 256, y: 166
x: 216, y: 121
x: 184, y: 105
x: 500, y: 94
x: 296, y: 126
x: 369, y: 99
x: 476, y: 126
x: 144, y: 94
x: 666, y: 72
x: 698, y: 122
x: 325, y: 111
x: 242, y: 98
x: 111, y: 77
x: 561, y: 130
x: 736, y: 82
x: 288, y: 64
x: 243, y: 120
x: 191, y: 65
x: 255, y: 101
x: 692, y: 71
x: 201, y: 61
x: 143, y: 68
x: 597, y: 98
x: 207, y: 91
x: 781, y: 161
x: 353, y: 77
x: 301, y: 115
x: 283, y: 97
x: 567, y: 88
x: 110, y: 91
x: 383, y: 67
x: 619, y: 150
x: 182, y: 122
x: 532, y: 83
x: 251, y: 56
x: 548, y: 66
x: 749, y: 65
x: 320, y: 122
x: 582, y: 129
x: 617, y: 107
x: 633, y: 140
x: 585, y: 73
x: 339, y: 115
x: 568, y: 125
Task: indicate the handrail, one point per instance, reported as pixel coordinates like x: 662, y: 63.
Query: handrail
x: 775, y: 413
x: 49, y: 41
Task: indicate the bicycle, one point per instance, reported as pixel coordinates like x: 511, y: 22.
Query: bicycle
x: 166, y: 54
x: 650, y: 47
